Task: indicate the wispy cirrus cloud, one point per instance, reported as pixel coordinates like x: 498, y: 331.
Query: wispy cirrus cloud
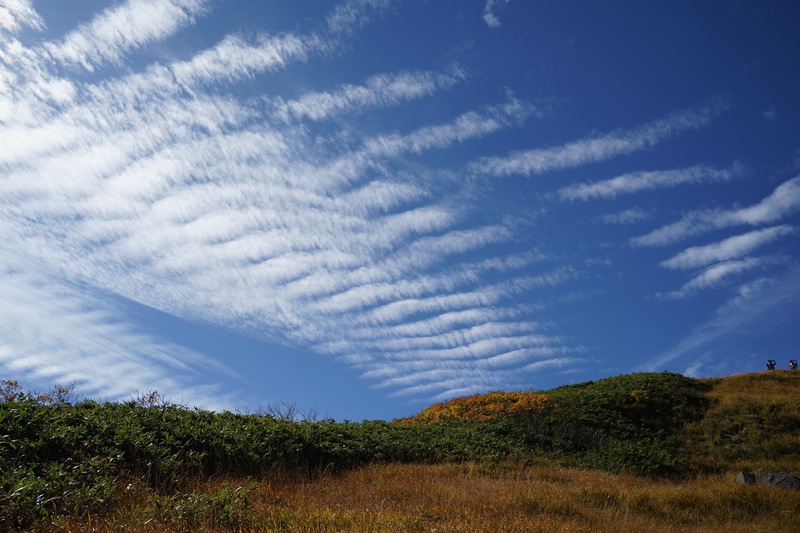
x: 490, y: 12
x: 162, y: 187
x: 14, y: 14
x: 470, y: 125
x: 643, y: 181
x: 381, y: 90
x: 423, y: 383
x: 784, y: 201
x: 120, y: 29
x: 715, y: 276
x: 730, y: 248
x: 352, y: 15
x: 235, y: 58
x: 628, y: 216
x: 760, y: 304
x: 56, y: 333
x: 227, y: 186
x: 599, y: 148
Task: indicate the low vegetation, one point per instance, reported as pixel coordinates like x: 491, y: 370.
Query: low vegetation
x: 640, y: 452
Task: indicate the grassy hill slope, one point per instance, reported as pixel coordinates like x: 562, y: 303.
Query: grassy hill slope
x: 60, y: 460
x: 753, y: 423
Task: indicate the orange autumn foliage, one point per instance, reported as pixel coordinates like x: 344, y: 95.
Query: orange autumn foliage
x: 483, y: 407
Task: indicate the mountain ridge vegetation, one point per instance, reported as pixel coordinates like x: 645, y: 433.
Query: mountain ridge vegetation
x: 63, y: 459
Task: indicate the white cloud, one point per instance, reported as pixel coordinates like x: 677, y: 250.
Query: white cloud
x: 233, y: 59
x: 52, y: 333
x: 22, y: 74
x: 123, y: 28
x: 449, y: 322
x: 760, y: 304
x: 379, y: 91
x: 161, y: 187
x: 352, y: 15
x: 459, y: 380
x: 14, y: 14
x: 643, y: 181
x: 490, y: 12
x: 715, y: 276
x: 730, y: 248
x: 266, y: 216
x: 470, y: 125
x: 600, y: 148
x: 628, y: 216
x: 783, y: 201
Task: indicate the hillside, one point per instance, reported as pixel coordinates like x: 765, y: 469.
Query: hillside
x: 753, y: 423
x: 63, y: 460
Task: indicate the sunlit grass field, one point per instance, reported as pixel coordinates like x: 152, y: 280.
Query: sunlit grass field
x: 156, y: 467
x: 460, y: 498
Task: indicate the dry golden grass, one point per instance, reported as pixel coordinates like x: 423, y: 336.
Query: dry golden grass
x: 470, y: 498
x: 753, y: 423
x: 778, y: 387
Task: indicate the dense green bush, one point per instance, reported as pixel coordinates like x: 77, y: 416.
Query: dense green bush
x: 629, y: 423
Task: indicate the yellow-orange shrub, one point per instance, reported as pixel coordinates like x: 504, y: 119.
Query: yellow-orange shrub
x: 483, y: 407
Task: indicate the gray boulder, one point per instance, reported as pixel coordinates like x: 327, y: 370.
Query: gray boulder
x: 780, y: 479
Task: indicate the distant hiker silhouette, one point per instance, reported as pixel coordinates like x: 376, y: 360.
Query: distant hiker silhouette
x: 770, y: 364
x: 793, y: 364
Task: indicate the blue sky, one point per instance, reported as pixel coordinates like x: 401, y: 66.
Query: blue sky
x: 368, y: 206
